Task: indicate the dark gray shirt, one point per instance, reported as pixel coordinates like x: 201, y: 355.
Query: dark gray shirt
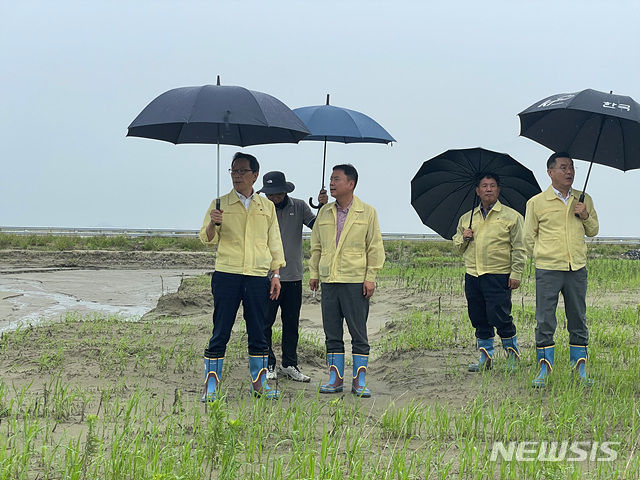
x: 291, y: 218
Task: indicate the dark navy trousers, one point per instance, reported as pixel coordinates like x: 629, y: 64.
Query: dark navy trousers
x: 229, y: 289
x: 489, y: 304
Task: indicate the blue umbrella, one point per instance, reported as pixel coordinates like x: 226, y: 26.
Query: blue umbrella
x: 329, y: 123
x: 217, y: 114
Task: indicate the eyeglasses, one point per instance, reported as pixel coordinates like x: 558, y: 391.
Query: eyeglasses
x: 239, y: 171
x: 566, y: 168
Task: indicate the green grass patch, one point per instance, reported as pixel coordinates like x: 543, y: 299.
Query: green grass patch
x: 119, y: 243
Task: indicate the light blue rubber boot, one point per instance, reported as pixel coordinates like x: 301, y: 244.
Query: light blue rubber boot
x: 486, y: 355
x: 545, y: 359
x: 510, y: 346
x: 578, y: 358
x: 336, y: 373
x: 258, y: 369
x: 212, y: 375
x: 358, y: 386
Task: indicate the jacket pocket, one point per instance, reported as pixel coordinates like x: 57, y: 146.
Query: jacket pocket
x: 353, y: 262
x: 262, y: 256
x: 260, y: 224
x: 324, y: 266
x: 230, y: 253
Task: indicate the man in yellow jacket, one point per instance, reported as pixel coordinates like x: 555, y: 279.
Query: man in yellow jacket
x: 346, y: 254
x: 494, y: 257
x: 555, y: 225
x: 244, y: 226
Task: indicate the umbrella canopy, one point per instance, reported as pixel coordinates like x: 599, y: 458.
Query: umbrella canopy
x: 589, y: 125
x: 218, y: 114
x: 223, y: 114
x: 329, y: 123
x: 335, y: 124
x: 445, y: 186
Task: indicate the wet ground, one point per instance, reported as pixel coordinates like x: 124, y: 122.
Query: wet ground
x: 29, y: 296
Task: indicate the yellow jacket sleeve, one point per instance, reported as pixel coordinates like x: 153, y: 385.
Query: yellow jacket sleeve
x: 316, y: 248
x: 518, y: 250
x: 459, y: 243
x: 530, y: 227
x: 205, y: 223
x: 274, y: 241
x: 375, y: 249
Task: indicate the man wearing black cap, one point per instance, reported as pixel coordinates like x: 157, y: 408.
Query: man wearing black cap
x: 292, y: 214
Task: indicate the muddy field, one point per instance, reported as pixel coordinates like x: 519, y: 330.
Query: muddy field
x: 181, y: 314
x: 184, y: 315
x: 92, y: 369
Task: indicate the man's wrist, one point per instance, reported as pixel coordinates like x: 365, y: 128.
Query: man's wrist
x: 275, y: 275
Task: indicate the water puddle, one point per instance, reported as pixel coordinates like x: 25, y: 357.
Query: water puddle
x: 33, y: 297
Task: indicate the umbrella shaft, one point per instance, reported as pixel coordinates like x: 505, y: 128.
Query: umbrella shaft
x: 324, y: 162
x: 586, y: 180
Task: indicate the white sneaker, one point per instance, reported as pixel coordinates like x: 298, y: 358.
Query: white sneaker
x: 271, y: 372
x: 295, y: 374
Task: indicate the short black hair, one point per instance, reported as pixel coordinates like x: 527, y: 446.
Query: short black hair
x: 253, y: 161
x: 350, y: 171
x: 482, y: 175
x: 554, y: 156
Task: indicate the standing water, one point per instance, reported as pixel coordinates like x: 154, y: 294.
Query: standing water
x: 31, y: 297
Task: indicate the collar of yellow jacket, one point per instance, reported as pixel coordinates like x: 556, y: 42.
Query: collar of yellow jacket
x: 496, y: 207
x: 356, y: 205
x: 233, y: 196
x: 549, y: 193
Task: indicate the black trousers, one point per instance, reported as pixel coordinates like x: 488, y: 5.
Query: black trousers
x: 289, y: 303
x: 489, y: 304
x: 229, y: 289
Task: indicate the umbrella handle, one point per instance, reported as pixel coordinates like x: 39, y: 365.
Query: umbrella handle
x: 581, y: 200
x: 472, y: 212
x: 317, y: 207
x: 587, y: 179
x: 217, y: 208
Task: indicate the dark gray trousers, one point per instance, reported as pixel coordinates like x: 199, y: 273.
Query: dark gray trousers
x: 573, y: 285
x: 340, y: 302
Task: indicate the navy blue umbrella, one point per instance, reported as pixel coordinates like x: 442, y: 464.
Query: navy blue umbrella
x: 599, y: 127
x: 329, y: 123
x: 218, y: 114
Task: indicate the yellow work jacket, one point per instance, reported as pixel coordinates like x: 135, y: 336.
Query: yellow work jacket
x: 248, y: 240
x: 553, y: 234
x: 359, y: 253
x: 497, y: 245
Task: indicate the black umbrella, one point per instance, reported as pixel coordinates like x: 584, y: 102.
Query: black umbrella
x: 445, y: 186
x: 218, y: 114
x: 589, y: 125
x: 329, y: 123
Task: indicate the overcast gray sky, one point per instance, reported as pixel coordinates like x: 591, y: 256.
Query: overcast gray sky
x: 436, y: 75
